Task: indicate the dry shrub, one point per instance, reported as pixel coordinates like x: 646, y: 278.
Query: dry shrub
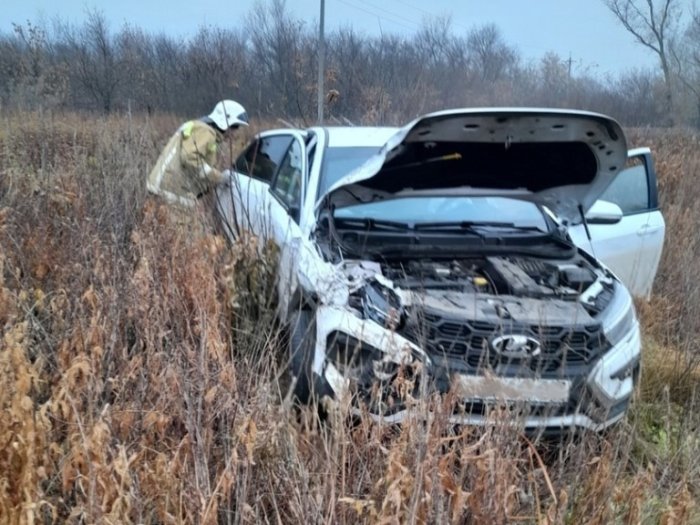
x: 673, y: 315
x: 139, y: 367
x: 24, y: 456
x: 671, y: 358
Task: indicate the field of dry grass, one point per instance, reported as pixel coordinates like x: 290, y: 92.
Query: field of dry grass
x: 138, y: 372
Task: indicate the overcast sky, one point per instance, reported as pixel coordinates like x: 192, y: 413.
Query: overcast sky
x: 584, y: 29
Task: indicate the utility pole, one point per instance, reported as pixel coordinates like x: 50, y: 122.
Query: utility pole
x: 321, y: 61
x: 568, y: 80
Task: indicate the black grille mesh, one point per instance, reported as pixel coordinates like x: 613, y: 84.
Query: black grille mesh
x: 562, y: 348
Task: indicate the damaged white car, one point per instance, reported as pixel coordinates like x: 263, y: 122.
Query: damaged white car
x: 438, y: 258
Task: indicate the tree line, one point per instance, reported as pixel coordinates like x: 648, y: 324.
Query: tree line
x: 270, y: 64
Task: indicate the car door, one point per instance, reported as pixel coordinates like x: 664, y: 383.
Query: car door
x: 631, y: 247
x: 245, y: 204
x: 286, y: 198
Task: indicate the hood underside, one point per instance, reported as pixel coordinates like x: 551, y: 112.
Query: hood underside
x: 561, y: 159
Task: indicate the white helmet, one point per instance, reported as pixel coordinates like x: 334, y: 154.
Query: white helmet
x: 229, y: 113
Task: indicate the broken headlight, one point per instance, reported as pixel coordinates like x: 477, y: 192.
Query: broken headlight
x: 383, y: 382
x: 382, y: 305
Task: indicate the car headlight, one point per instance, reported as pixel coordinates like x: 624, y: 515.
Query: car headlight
x: 616, y: 332
x: 614, y: 376
x: 381, y: 304
x: 621, y: 319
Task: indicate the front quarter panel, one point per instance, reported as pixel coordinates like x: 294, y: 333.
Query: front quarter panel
x: 303, y: 271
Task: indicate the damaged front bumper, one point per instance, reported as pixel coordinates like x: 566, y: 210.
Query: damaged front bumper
x: 359, y: 358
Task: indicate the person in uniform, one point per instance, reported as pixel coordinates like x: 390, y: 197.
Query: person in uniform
x: 186, y: 169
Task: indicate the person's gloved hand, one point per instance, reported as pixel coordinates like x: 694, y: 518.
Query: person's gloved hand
x: 227, y: 178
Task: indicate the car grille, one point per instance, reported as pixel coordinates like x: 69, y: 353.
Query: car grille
x: 467, y: 345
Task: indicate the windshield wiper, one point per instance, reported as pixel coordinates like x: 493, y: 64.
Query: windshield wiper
x: 471, y: 225
x: 366, y: 223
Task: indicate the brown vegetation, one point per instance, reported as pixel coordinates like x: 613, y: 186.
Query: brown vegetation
x: 138, y: 372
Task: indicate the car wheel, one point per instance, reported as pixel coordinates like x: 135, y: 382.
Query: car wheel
x: 302, y: 339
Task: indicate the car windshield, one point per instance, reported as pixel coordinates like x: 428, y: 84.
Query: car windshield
x: 492, y: 211
x: 338, y: 162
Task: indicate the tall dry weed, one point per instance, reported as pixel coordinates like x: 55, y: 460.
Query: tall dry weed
x: 139, y: 376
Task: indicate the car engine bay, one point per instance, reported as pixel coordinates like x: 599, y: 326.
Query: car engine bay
x: 496, y: 280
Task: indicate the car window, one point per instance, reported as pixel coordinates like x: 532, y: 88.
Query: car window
x: 287, y: 185
x: 262, y: 157
x: 630, y: 189
x: 339, y: 161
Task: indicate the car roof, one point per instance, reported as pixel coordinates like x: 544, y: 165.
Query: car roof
x: 343, y: 136
x: 358, y: 136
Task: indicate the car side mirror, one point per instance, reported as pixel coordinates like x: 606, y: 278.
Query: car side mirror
x: 604, y: 212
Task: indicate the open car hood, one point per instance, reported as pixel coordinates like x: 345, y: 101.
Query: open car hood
x: 561, y: 159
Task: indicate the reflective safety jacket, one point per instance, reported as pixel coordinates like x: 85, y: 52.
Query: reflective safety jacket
x: 185, y: 169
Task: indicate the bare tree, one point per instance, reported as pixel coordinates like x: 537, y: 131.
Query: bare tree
x: 347, y: 71
x: 434, y: 40
x: 270, y: 67
x: 277, y: 43
x: 654, y: 24
x: 635, y: 95
x: 16, y: 58
x: 687, y: 60
x: 212, y: 66
x: 29, y: 77
x: 95, y: 59
x: 489, y: 53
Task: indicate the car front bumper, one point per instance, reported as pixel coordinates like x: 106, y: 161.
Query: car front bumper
x: 594, y: 401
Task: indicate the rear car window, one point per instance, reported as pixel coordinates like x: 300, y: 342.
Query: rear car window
x: 630, y: 189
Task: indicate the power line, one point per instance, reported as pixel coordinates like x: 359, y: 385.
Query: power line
x: 378, y: 15
x: 431, y: 14
x: 406, y: 4
x: 400, y: 20
x: 375, y: 14
x: 395, y: 15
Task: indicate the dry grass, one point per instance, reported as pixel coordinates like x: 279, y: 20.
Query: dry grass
x: 138, y: 373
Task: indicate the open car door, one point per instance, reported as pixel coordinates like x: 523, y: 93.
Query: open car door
x: 632, y: 246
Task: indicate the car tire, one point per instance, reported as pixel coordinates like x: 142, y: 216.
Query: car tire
x: 302, y: 340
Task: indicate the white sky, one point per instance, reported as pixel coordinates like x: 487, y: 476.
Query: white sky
x: 584, y: 29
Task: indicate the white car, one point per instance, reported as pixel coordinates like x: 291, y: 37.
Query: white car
x: 438, y: 258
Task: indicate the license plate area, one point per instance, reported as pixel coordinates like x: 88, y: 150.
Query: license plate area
x: 510, y: 389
